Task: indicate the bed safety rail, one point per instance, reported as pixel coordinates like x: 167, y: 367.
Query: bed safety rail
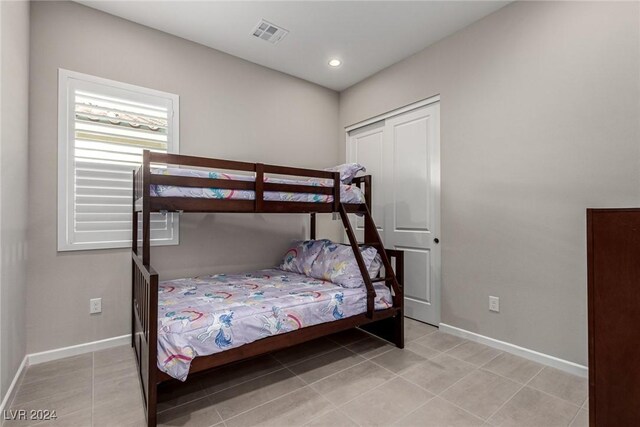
x: 364, y: 183
x: 143, y: 178
x: 144, y: 324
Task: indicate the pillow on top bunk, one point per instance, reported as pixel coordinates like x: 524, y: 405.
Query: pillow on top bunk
x: 301, y: 255
x: 348, y: 171
x: 337, y: 264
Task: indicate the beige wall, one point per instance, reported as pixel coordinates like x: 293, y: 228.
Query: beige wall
x: 14, y: 88
x: 539, y: 120
x: 229, y: 108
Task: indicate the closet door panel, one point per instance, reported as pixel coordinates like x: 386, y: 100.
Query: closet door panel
x: 366, y: 148
x: 412, y: 153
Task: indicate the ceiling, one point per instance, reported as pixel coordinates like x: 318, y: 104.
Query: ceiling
x: 366, y: 36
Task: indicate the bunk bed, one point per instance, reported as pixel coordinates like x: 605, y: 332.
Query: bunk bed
x: 261, y: 189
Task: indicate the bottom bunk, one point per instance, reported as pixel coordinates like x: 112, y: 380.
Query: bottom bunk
x: 209, y: 314
x: 185, y: 326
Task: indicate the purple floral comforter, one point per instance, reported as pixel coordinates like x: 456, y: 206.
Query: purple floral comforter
x: 205, y: 315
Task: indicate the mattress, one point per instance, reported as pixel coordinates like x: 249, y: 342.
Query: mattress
x: 206, y: 315
x: 348, y: 193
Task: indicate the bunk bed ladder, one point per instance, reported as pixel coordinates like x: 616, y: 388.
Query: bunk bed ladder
x: 372, y: 238
x: 371, y: 293
x: 390, y: 329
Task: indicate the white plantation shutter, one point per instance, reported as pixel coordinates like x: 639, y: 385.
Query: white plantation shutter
x: 103, y: 128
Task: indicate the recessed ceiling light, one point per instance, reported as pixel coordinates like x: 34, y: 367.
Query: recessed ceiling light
x: 335, y: 62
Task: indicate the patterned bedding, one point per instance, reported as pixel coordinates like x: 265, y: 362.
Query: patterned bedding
x: 206, y: 315
x: 348, y: 193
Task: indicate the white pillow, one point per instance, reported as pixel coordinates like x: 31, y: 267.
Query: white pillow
x: 348, y: 171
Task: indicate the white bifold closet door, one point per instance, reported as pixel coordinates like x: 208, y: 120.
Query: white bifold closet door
x: 402, y: 153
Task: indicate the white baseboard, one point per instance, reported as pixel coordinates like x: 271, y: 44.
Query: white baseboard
x: 55, y: 354
x: 74, y: 350
x: 8, y: 397
x: 545, y: 359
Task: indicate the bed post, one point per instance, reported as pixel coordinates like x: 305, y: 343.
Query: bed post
x: 336, y: 191
x: 367, y: 190
x: 144, y: 309
x: 392, y: 328
x: 152, y: 342
x: 259, y: 189
x: 369, y: 237
x: 134, y: 250
x: 145, y: 333
x: 312, y: 226
x: 146, y: 208
x: 398, y: 326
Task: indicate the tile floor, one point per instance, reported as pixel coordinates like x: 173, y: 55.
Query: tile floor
x: 348, y: 379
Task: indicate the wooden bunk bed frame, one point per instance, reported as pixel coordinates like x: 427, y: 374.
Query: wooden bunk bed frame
x: 387, y: 324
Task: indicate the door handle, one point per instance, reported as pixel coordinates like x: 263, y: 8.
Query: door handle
x: 436, y: 240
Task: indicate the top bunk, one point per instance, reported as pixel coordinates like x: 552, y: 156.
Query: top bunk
x: 170, y: 183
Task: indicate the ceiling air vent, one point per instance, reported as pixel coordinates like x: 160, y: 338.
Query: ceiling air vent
x: 269, y: 32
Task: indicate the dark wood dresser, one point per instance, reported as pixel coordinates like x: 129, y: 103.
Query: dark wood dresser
x: 613, y: 250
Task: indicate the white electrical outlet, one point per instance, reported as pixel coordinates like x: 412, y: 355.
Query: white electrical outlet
x: 494, y: 304
x: 95, y: 305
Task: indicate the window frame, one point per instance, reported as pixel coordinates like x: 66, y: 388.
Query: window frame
x: 68, y: 81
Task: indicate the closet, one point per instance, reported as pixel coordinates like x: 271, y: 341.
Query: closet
x: 401, y: 150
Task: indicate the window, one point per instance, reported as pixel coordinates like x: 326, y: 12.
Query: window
x: 103, y: 126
